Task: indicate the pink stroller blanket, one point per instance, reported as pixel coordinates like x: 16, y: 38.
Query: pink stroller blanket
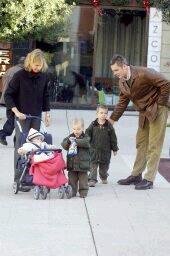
x: 50, y: 172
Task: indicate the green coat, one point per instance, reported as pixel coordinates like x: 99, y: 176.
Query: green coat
x: 81, y: 161
x: 102, y: 140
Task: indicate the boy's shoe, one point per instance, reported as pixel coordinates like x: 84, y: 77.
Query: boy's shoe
x: 104, y: 182
x: 92, y: 183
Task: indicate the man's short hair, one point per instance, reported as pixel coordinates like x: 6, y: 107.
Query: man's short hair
x: 119, y: 60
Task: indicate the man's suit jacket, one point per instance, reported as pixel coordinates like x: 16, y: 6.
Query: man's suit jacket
x: 147, y: 89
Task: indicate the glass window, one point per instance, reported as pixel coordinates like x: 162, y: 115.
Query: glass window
x: 79, y: 63
x: 72, y: 62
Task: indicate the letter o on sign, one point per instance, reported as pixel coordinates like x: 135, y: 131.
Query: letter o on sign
x: 154, y: 44
x: 154, y: 58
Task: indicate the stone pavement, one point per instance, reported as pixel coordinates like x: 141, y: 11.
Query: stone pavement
x: 112, y: 221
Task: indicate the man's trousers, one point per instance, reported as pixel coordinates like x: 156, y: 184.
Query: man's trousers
x: 149, y: 143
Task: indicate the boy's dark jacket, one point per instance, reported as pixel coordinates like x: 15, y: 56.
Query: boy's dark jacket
x: 81, y: 161
x: 102, y: 140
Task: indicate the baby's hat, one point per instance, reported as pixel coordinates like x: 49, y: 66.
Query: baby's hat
x: 32, y: 134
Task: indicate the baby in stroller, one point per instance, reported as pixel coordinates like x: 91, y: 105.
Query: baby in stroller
x: 35, y: 141
x: 43, y: 167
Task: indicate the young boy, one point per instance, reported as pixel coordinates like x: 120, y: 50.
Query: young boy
x: 78, y: 158
x: 103, y: 140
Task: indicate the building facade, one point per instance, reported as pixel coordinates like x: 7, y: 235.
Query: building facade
x: 79, y: 70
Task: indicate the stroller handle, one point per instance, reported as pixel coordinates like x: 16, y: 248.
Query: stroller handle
x: 30, y: 117
x: 33, y: 117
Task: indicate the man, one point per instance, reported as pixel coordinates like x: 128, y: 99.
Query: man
x: 8, y: 127
x: 149, y: 91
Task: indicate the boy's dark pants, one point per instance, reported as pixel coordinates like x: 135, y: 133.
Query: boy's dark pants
x: 82, y: 179
x: 103, y: 171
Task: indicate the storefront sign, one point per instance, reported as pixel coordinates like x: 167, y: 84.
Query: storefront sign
x: 5, y: 61
x: 154, y: 40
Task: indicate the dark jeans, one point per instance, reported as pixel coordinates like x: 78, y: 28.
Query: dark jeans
x: 25, y: 126
x: 8, y: 127
x: 103, y: 171
x: 78, y: 179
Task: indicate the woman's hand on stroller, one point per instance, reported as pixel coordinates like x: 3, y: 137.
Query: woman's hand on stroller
x: 21, y: 116
x: 18, y: 114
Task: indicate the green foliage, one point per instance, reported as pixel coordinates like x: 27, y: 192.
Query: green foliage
x: 47, y: 19
x: 164, y: 6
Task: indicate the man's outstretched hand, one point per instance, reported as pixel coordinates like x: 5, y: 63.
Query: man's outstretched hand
x: 111, y: 120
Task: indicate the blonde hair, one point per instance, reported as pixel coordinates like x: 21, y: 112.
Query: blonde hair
x: 36, y: 56
x: 78, y: 121
x: 101, y: 106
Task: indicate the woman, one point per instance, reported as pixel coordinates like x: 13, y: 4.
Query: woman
x: 27, y: 94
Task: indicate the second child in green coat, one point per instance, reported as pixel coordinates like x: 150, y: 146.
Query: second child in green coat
x: 78, y: 158
x: 103, y: 141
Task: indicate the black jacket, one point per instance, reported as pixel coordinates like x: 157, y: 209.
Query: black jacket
x: 102, y: 140
x: 28, y: 92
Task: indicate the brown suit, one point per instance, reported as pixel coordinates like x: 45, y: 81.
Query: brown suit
x: 149, y: 91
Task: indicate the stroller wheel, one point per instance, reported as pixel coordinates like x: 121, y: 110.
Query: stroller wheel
x: 68, y: 192
x: 61, y: 192
x: 15, y: 187
x: 47, y: 189
x: 36, y: 192
x: 44, y: 192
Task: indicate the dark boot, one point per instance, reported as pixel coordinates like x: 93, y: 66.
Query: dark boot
x: 130, y: 180
x: 3, y: 141
x: 144, y: 184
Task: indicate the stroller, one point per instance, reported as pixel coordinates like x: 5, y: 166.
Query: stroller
x: 42, y: 175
